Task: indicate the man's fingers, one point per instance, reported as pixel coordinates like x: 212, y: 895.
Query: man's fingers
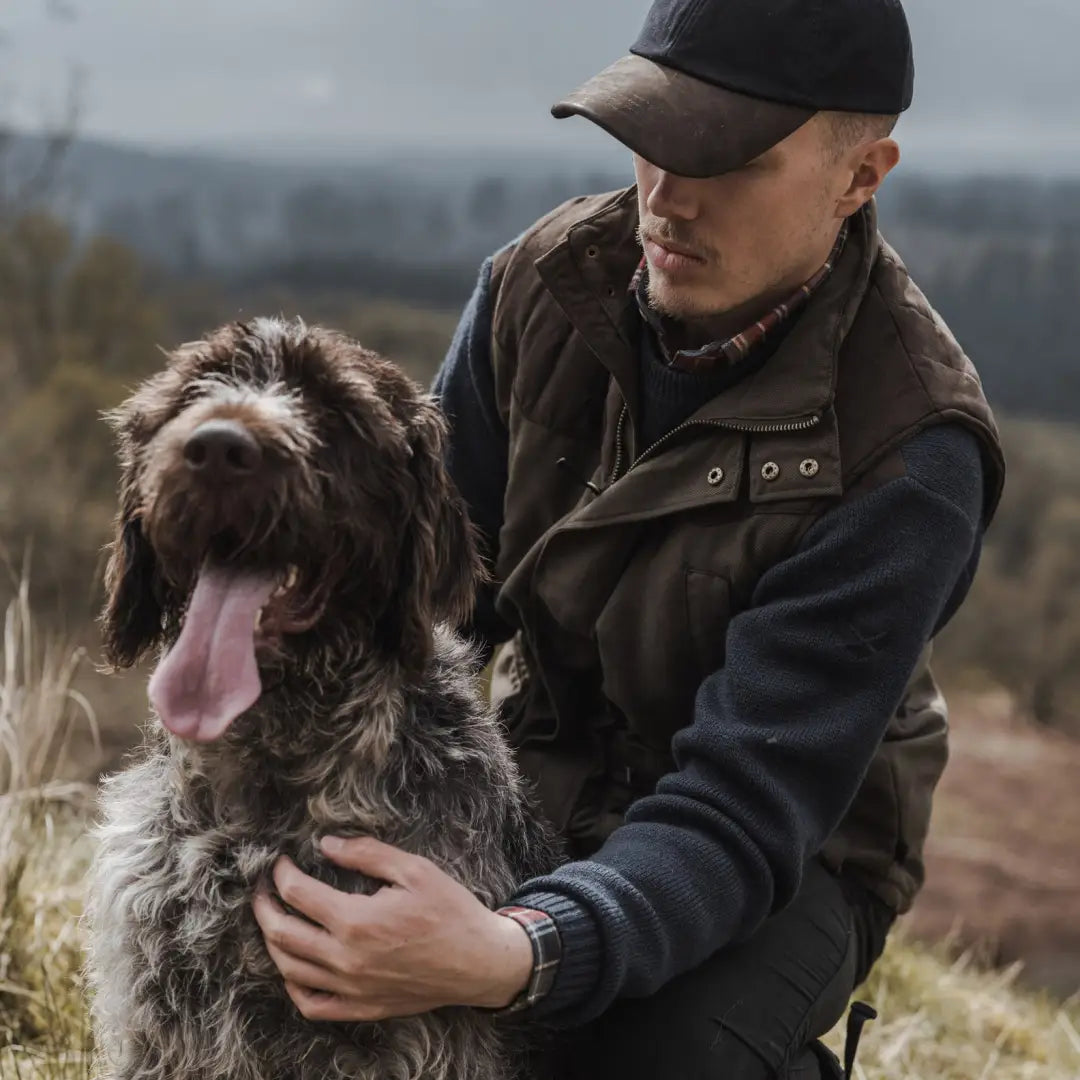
x: 291, y: 934
x: 326, y: 905
x: 376, y: 859
x: 314, y: 976
x: 314, y: 1005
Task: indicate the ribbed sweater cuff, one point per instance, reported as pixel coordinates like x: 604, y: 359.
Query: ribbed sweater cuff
x: 582, y: 951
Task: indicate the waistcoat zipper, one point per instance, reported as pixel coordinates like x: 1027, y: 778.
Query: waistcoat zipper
x: 730, y: 425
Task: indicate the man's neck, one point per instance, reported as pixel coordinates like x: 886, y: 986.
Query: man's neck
x: 688, y: 334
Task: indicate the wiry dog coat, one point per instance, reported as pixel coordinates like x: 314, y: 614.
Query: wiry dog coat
x: 289, y: 540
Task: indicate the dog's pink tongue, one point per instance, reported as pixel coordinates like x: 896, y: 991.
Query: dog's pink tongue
x: 209, y: 677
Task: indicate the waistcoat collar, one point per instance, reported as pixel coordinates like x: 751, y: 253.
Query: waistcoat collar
x: 588, y: 272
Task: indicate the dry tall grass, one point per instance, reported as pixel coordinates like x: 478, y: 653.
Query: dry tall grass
x: 43, y: 856
x: 941, y: 1017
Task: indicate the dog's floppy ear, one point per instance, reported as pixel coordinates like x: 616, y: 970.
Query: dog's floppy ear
x: 440, y: 560
x: 132, y: 617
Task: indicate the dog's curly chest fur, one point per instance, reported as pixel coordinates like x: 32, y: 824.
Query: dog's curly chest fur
x: 184, y: 986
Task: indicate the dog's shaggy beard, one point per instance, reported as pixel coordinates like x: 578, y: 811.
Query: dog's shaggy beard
x: 367, y: 720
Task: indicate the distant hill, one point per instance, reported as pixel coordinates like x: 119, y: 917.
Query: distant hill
x: 999, y: 256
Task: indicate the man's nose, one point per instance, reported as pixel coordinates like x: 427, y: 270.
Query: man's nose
x: 222, y: 451
x: 673, y: 196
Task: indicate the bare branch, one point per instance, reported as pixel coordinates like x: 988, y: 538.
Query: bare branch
x: 57, y: 143
x: 19, y: 193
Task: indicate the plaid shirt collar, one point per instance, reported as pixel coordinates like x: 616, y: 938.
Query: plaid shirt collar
x: 740, y: 346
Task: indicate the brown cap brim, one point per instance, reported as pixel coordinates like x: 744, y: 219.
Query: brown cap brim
x: 682, y: 124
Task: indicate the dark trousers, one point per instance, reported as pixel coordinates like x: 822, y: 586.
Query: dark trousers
x: 751, y: 1010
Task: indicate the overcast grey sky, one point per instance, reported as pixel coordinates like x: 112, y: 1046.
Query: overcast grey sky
x: 998, y: 81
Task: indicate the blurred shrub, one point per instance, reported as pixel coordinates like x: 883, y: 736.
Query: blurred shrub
x: 78, y: 326
x: 1020, y: 626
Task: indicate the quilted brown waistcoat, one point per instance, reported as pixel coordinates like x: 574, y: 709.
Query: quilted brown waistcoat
x: 621, y: 565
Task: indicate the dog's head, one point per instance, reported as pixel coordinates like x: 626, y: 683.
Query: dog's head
x: 282, y: 495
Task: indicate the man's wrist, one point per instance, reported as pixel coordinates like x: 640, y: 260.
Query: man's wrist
x: 513, y: 962
x: 529, y: 972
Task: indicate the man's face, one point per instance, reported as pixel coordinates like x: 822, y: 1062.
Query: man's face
x: 715, y: 245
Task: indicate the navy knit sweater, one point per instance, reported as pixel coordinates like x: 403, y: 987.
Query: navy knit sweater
x: 781, y: 737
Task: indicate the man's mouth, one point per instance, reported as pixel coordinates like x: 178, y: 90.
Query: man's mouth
x: 670, y: 257
x: 210, y: 676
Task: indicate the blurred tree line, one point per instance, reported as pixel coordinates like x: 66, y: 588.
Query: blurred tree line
x: 1014, y: 305
x: 1000, y: 256
x: 81, y: 324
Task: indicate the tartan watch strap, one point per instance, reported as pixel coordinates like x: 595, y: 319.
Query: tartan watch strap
x: 547, y: 952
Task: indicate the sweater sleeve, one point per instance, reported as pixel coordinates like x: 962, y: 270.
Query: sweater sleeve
x: 478, y: 447
x: 780, y: 739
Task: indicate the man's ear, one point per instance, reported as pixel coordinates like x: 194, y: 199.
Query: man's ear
x: 870, y: 164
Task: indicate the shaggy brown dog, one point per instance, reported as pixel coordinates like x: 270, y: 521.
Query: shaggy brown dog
x: 288, y: 538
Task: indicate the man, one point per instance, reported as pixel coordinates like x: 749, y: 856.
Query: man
x: 732, y: 474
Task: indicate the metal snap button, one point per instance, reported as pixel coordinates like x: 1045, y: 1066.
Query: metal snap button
x: 592, y: 251
x: 716, y: 476
x: 770, y: 471
x: 809, y: 468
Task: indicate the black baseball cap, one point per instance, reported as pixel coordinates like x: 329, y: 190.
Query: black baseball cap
x: 711, y: 84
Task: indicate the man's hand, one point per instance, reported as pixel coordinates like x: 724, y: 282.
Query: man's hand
x: 421, y: 942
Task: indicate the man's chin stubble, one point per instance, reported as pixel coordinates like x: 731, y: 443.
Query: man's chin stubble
x: 674, y: 303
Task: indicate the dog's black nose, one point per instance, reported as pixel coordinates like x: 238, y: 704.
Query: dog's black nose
x: 223, y: 450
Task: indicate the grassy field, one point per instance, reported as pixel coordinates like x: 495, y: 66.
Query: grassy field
x: 941, y: 1015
